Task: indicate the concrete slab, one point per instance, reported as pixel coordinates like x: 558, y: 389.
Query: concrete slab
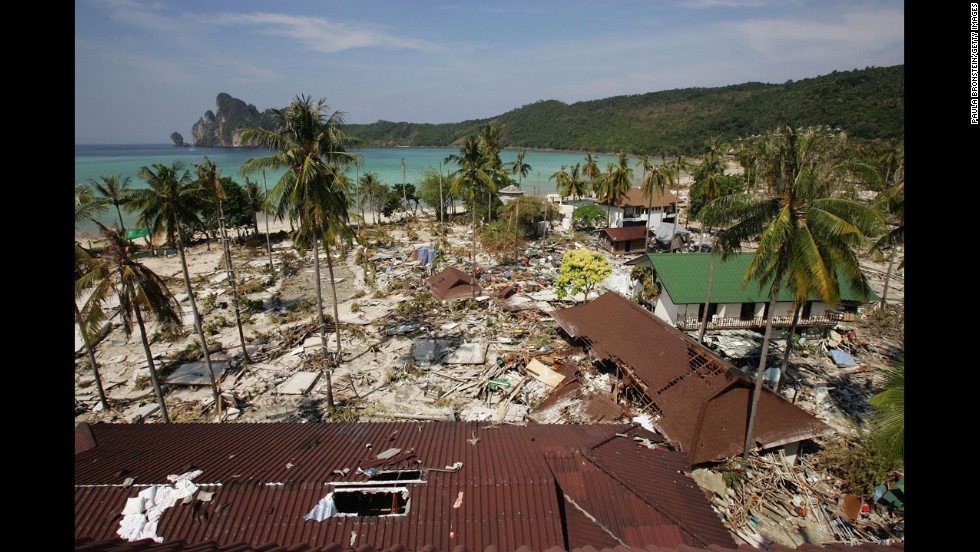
x: 195, y: 373
x: 143, y: 413
x: 469, y: 353
x: 218, y: 278
x: 299, y: 383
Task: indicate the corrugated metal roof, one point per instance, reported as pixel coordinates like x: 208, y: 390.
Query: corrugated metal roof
x: 452, y: 283
x: 117, y: 545
x: 635, y: 198
x: 626, y: 233
x: 697, y: 392
x: 266, y: 477
x: 685, y: 277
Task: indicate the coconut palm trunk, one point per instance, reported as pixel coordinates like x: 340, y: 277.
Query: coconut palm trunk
x: 333, y: 291
x: 707, y: 299
x: 762, y: 368
x: 149, y: 362
x: 231, y: 279
x: 888, y: 277
x: 91, y: 358
x: 197, y: 322
x: 797, y: 307
x: 319, y: 313
x: 268, y: 238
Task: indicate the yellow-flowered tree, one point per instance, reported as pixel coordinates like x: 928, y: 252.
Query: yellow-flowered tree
x: 581, y: 271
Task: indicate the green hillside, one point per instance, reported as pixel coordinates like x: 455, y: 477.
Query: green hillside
x: 867, y: 103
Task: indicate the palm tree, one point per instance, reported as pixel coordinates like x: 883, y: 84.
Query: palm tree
x: 889, y: 418
x: 806, y: 234
x: 676, y: 168
x: 654, y: 180
x: 563, y: 182
x: 707, y: 181
x: 209, y: 182
x: 171, y: 199
x: 475, y: 170
x: 115, y: 191
x: 616, y: 183
x: 138, y: 289
x: 519, y: 167
x: 313, y: 149
x: 374, y: 189
x: 492, y: 143
x: 591, y: 171
x: 87, y: 207
x: 255, y: 200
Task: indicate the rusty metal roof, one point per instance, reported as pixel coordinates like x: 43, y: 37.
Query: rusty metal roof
x: 452, y: 283
x: 626, y: 233
x: 117, y: 545
x: 702, y: 397
x: 266, y: 477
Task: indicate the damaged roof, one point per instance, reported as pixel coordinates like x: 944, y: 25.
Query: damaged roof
x: 452, y: 283
x: 540, y: 486
x: 703, y: 399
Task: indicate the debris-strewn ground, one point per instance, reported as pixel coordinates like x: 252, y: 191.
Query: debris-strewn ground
x: 496, y: 358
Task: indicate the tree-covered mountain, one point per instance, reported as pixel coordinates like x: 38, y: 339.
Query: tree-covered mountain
x: 867, y: 103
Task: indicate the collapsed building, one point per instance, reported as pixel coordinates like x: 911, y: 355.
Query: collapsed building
x: 698, y: 400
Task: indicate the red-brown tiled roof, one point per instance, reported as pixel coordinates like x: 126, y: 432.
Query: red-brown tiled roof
x: 701, y: 396
x: 266, y: 477
x: 452, y: 283
x: 626, y: 233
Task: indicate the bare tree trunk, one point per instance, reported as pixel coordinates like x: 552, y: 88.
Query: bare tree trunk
x: 91, y: 358
x: 151, y: 366
x: 707, y: 300
x: 762, y: 368
x: 442, y: 218
x: 231, y: 279
x: 268, y: 239
x: 197, y: 323
x: 333, y: 289
x: 797, y: 307
x: 888, y: 277
x: 319, y: 313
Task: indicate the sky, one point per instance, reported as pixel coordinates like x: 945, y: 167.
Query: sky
x: 145, y: 69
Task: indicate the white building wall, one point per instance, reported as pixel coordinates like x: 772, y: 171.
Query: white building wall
x: 616, y: 219
x: 665, y: 308
x: 729, y: 310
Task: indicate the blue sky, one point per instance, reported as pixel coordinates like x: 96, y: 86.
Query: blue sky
x: 144, y: 69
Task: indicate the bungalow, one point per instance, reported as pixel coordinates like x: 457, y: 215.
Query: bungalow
x: 424, y: 486
x: 636, y: 210
x: 683, y: 281
x: 452, y: 283
x: 624, y: 240
x: 699, y: 400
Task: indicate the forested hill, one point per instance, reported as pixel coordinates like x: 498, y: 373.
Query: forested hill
x: 867, y: 103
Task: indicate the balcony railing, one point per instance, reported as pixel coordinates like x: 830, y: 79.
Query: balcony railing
x: 715, y: 323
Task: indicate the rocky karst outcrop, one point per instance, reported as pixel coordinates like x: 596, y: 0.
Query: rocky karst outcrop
x: 221, y: 129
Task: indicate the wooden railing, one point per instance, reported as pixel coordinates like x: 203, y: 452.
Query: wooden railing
x: 692, y: 323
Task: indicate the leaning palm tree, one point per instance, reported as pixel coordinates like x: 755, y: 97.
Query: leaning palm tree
x: 563, y: 182
x: 172, y: 198
x: 373, y: 190
x: 806, y: 235
x: 676, y: 168
x: 255, y: 201
x: 309, y: 143
x: 889, y: 418
x: 87, y: 208
x: 209, y: 182
x: 138, y: 288
x: 114, y: 191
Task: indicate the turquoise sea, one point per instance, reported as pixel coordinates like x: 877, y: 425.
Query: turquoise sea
x: 94, y: 161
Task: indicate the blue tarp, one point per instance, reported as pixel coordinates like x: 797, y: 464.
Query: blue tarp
x: 842, y: 358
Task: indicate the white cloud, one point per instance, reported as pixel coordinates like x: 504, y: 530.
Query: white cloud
x: 856, y: 32
x: 322, y: 35
x: 697, y: 4
x: 150, y: 16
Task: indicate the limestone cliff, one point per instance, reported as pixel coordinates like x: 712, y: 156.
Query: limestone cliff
x: 221, y: 129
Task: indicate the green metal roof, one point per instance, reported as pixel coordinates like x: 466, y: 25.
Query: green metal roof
x: 685, y: 277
